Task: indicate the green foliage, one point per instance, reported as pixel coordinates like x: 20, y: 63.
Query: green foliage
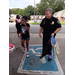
x: 56, y: 5
x: 26, y: 11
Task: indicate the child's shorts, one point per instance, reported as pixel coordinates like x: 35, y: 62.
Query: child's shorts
x: 25, y: 38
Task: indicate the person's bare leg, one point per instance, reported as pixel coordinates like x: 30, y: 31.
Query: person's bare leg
x: 18, y: 33
x: 22, y: 43
x: 27, y: 45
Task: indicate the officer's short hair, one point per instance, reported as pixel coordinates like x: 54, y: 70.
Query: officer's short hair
x: 48, y: 9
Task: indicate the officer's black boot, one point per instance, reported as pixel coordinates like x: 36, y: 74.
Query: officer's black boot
x: 49, y: 59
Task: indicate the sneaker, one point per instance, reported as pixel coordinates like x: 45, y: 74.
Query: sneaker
x: 24, y: 50
x: 27, y: 55
x: 41, y: 56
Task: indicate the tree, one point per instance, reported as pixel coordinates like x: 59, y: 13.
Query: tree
x: 10, y: 11
x: 26, y: 11
x: 29, y: 11
x: 59, y: 5
x: 56, y: 5
x: 42, y: 7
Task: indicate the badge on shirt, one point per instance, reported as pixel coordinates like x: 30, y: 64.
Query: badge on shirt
x: 52, y: 22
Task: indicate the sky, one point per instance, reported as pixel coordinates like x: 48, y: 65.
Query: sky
x: 22, y: 3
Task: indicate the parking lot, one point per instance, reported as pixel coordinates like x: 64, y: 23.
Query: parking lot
x: 16, y: 56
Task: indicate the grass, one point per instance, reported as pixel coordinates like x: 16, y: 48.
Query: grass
x: 62, y: 23
x: 29, y: 20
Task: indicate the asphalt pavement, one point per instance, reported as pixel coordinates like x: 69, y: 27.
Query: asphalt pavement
x: 33, y: 28
x: 16, y: 56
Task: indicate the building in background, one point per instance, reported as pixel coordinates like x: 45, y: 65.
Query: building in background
x: 38, y: 17
x: 13, y: 17
x: 60, y: 15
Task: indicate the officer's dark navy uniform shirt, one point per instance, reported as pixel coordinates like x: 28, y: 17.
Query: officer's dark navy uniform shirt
x: 50, y: 25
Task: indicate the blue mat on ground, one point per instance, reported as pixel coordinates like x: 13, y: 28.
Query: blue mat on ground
x: 34, y: 63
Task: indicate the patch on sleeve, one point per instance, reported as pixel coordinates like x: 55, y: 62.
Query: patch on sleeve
x: 58, y: 21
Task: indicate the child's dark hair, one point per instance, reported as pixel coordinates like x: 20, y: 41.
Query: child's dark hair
x: 18, y: 17
x: 25, y: 17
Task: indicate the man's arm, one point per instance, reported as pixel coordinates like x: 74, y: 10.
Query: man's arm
x: 40, y: 31
x: 57, y: 30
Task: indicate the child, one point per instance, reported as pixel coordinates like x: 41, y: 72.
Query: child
x: 18, y: 27
x: 25, y: 27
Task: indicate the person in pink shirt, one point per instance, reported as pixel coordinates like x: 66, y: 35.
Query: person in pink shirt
x: 18, y: 27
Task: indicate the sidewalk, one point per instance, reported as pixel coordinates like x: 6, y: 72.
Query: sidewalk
x: 16, y: 56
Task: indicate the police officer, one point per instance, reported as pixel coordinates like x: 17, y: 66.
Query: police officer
x: 50, y: 26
